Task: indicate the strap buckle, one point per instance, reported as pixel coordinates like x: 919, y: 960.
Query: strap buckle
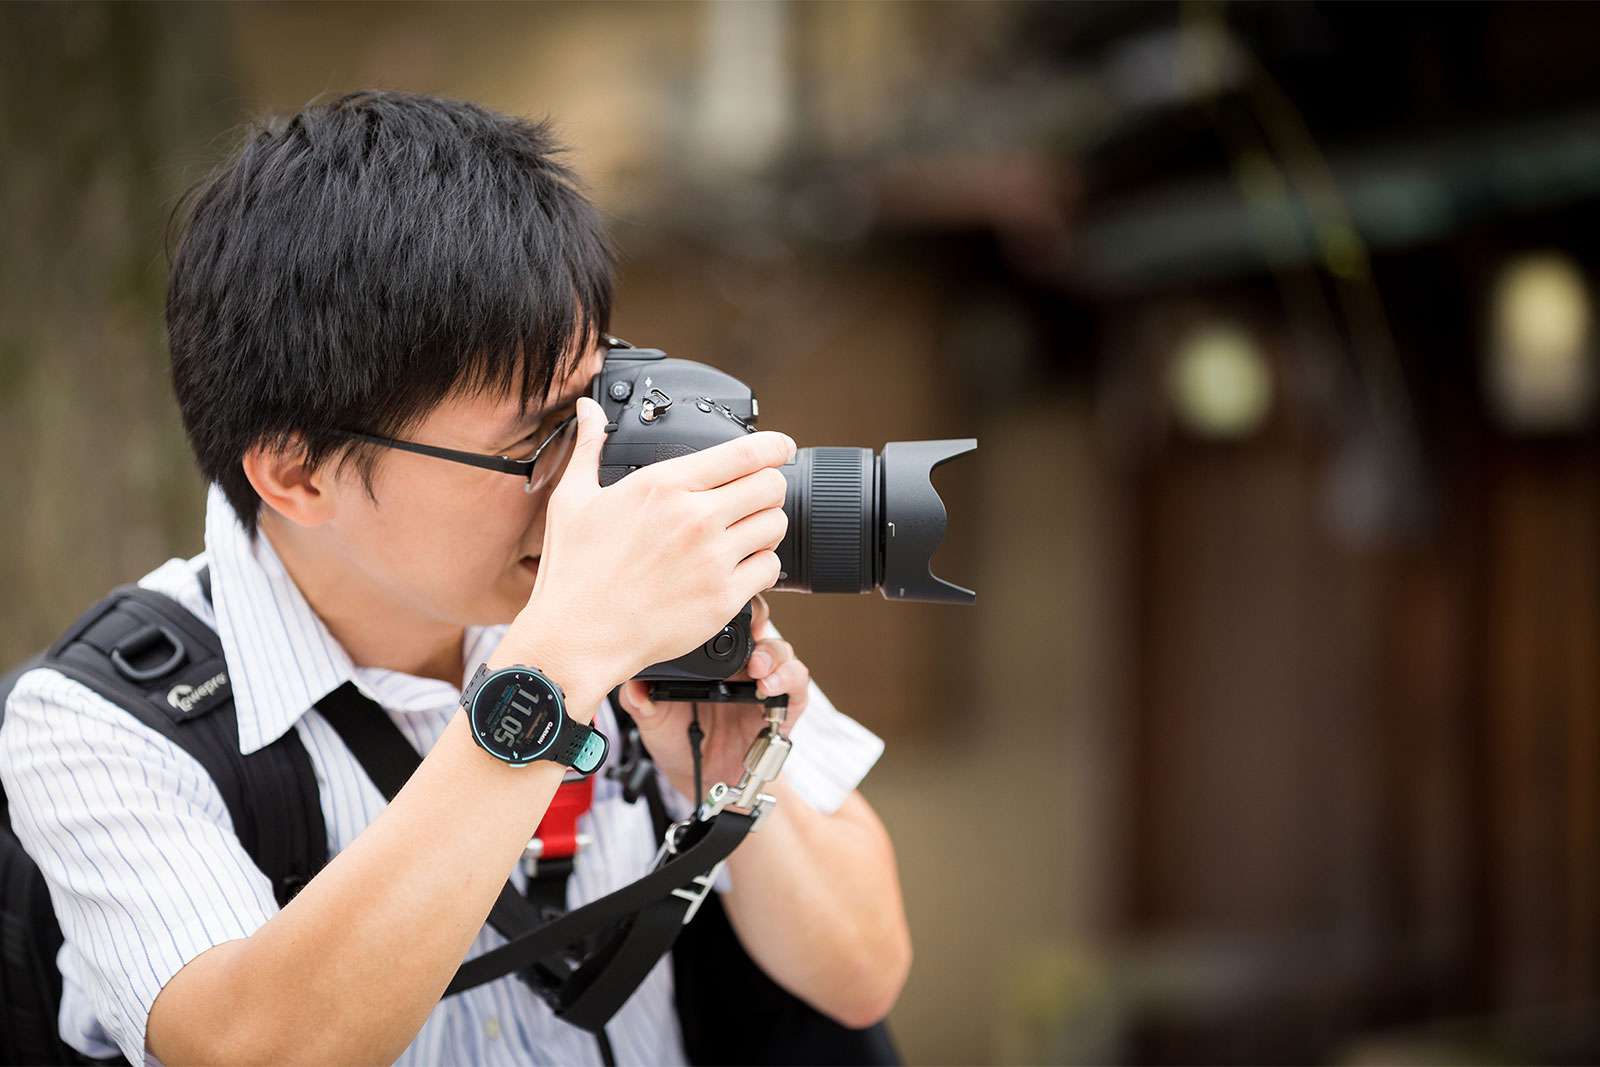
x: 697, y: 896
x: 535, y: 851
x: 557, y: 837
x: 140, y: 642
x: 703, y: 882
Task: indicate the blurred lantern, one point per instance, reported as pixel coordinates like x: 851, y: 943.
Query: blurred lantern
x: 1541, y: 357
x: 1219, y: 383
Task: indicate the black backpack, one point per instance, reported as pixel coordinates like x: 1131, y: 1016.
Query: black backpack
x: 135, y: 648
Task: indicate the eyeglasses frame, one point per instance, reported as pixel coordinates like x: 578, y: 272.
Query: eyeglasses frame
x: 523, y: 468
x: 504, y: 464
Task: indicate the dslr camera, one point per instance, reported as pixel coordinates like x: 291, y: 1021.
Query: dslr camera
x: 857, y: 520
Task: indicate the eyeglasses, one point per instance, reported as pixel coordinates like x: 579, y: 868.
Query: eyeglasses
x: 540, y: 469
x: 556, y: 433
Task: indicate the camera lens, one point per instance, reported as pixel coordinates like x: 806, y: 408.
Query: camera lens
x: 859, y: 521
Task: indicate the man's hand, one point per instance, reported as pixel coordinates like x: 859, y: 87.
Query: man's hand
x: 729, y: 728
x: 639, y: 572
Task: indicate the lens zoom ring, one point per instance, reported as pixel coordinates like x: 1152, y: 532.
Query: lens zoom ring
x: 836, y: 528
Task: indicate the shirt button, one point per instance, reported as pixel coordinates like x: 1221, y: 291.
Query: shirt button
x: 491, y: 1028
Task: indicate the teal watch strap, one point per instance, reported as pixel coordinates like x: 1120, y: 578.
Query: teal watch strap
x: 580, y: 747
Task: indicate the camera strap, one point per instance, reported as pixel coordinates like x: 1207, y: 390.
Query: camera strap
x: 634, y: 926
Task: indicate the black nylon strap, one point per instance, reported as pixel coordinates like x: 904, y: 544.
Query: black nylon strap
x: 369, y: 733
x: 548, y: 891
x: 609, y: 978
x: 716, y: 843
x: 514, y: 915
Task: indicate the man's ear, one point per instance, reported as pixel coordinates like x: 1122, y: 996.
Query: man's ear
x: 287, y: 485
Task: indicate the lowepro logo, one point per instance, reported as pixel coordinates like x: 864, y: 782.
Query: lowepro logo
x: 185, y: 697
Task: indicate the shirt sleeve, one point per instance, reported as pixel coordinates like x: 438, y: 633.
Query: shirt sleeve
x: 135, y: 844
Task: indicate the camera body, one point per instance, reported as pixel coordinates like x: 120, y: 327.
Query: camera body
x: 703, y: 407
x: 857, y: 520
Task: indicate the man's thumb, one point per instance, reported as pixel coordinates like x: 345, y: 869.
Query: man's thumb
x: 584, y: 466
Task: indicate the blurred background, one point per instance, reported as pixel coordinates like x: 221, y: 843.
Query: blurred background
x: 1274, y: 735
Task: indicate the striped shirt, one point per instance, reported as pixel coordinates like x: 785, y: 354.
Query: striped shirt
x: 145, y: 872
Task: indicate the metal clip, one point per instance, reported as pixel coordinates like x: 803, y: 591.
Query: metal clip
x: 764, y: 804
x: 717, y: 798
x: 762, y: 764
x: 669, y: 840
x: 653, y: 406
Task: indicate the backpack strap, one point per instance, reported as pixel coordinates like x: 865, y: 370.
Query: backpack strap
x: 147, y: 654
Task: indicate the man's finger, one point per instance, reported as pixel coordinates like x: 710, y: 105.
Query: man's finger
x: 583, y: 469
x: 791, y: 677
x: 721, y: 464
x: 770, y: 654
x: 746, y: 495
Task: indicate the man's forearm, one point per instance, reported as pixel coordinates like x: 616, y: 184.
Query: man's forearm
x: 816, y: 902
x: 350, y: 969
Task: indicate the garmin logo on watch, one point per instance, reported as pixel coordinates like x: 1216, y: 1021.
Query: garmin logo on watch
x: 187, y: 697
x: 548, y: 726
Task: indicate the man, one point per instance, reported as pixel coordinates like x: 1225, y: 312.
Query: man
x: 383, y: 272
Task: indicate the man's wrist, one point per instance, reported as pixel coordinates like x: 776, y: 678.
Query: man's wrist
x: 584, y: 678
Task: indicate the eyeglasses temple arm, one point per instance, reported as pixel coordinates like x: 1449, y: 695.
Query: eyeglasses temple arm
x: 504, y: 464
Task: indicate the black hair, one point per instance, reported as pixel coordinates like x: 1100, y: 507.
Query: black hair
x: 353, y: 266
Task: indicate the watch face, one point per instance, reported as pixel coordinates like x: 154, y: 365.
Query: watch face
x: 516, y: 715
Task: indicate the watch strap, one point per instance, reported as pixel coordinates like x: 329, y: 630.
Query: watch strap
x: 478, y: 676
x: 583, y: 748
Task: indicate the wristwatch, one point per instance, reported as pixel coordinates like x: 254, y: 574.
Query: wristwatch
x: 519, y: 715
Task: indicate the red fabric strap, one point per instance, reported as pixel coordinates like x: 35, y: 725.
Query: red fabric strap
x: 558, y: 830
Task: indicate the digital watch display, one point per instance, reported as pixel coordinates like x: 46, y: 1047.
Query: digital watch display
x: 519, y: 715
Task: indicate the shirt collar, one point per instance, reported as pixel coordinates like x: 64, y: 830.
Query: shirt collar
x: 281, y: 657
